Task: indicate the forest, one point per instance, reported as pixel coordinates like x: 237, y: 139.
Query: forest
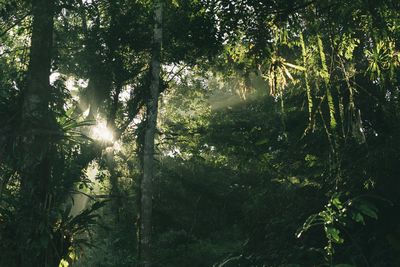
x: 199, y: 133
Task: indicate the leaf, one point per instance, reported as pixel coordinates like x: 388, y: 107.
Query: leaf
x: 63, y: 263
x: 334, y: 234
x: 288, y: 74
x: 336, y: 201
x: 175, y: 3
x: 297, y: 67
x: 262, y: 142
x: 307, y: 224
x: 369, y: 210
x: 358, y: 217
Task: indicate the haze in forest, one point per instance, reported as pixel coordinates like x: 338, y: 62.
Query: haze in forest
x: 221, y: 133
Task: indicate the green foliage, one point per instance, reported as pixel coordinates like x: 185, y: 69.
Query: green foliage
x: 275, y: 116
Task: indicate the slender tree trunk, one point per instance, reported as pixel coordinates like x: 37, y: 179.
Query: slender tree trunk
x: 36, y: 119
x: 115, y: 193
x: 145, y: 245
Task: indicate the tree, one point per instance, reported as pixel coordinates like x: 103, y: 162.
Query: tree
x: 36, y: 130
x: 146, y: 206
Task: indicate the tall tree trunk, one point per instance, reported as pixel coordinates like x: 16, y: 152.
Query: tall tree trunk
x: 36, y: 94
x: 36, y: 123
x: 145, y: 245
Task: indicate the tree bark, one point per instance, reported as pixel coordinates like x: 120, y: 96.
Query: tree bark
x: 36, y: 119
x: 36, y: 95
x: 145, y: 244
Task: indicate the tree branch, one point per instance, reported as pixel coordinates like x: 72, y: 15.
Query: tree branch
x: 14, y: 24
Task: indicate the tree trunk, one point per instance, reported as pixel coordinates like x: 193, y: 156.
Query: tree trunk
x: 145, y: 245
x: 36, y: 121
x: 114, y: 193
x: 36, y: 95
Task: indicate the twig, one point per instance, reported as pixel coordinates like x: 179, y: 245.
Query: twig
x: 177, y: 73
x: 14, y: 24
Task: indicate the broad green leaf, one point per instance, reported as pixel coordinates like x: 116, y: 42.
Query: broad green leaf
x: 369, y: 211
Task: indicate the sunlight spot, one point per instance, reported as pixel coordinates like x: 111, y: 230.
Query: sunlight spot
x: 173, y: 152
x: 125, y: 94
x: 102, y: 133
x: 54, y: 77
x: 63, y: 263
x: 70, y: 84
x: 86, y: 112
x: 117, y: 146
x: 83, y: 83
